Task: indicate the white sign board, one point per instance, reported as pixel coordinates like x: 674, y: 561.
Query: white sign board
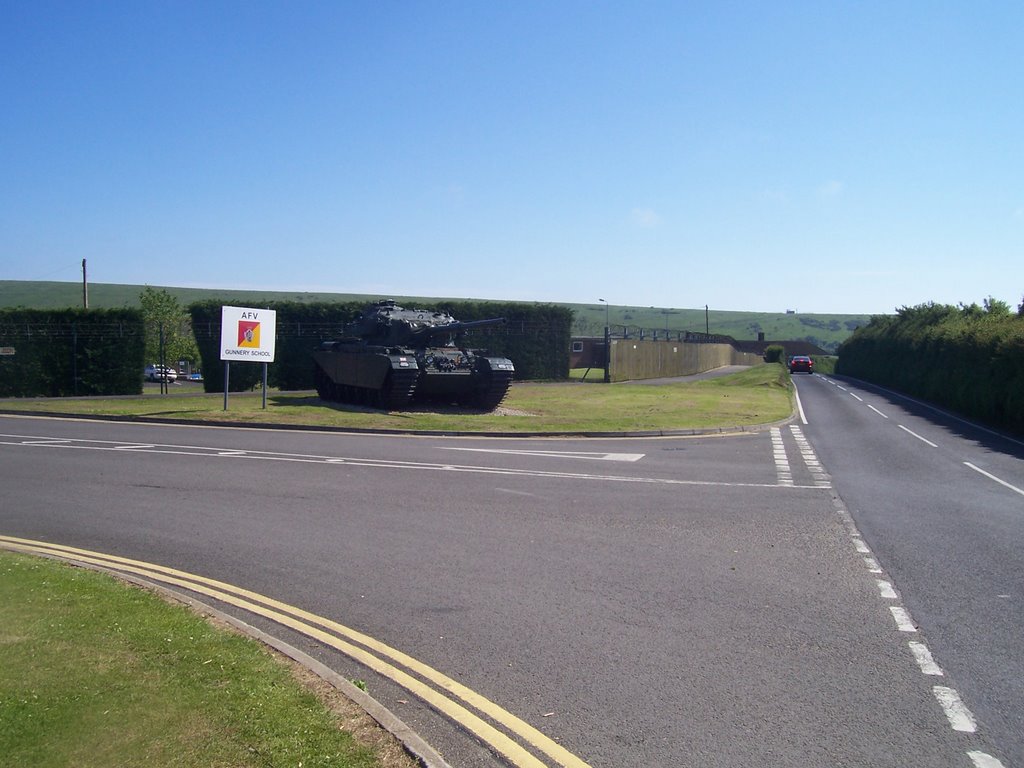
x: 247, y: 335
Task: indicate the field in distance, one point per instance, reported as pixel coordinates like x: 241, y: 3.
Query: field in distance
x: 827, y: 331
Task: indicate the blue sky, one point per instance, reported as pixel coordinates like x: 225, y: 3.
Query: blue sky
x: 819, y: 156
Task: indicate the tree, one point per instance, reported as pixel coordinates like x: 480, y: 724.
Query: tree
x: 997, y: 308
x: 162, y: 312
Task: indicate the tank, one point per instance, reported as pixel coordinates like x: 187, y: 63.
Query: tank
x: 390, y: 357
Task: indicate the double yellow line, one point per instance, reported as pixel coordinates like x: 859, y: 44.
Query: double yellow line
x: 436, y: 689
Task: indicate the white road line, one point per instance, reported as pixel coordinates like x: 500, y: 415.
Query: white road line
x: 799, y: 405
x: 960, y: 718
x: 593, y: 455
x: 783, y: 472
x: 877, y: 411
x: 858, y: 398
x: 914, y: 434
x: 886, y: 591
x: 924, y: 659
x: 903, y: 621
x: 872, y: 565
x: 948, y: 415
x: 861, y: 546
x: 980, y: 471
x: 206, y: 452
x: 983, y: 760
x: 810, y: 459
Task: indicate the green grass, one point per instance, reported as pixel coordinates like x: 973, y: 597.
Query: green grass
x: 96, y: 673
x: 589, y: 375
x: 754, y: 396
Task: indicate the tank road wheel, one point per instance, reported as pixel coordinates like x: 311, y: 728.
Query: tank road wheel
x: 355, y: 395
x: 493, y: 391
x: 341, y: 393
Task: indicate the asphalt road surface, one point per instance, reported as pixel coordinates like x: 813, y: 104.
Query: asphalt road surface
x: 710, y: 601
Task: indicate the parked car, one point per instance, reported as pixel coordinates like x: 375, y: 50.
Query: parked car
x: 801, y: 363
x: 160, y: 373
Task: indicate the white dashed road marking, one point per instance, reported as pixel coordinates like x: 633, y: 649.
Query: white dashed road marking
x: 960, y: 718
x: 981, y: 760
x: 810, y: 459
x: 914, y: 434
x: 924, y: 659
x: 782, y: 470
x: 886, y: 590
x: 956, y: 712
x: 903, y: 621
x: 993, y: 477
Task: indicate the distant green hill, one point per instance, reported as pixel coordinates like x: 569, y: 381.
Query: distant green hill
x: 827, y: 331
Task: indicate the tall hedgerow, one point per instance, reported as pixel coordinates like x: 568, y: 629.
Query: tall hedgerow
x: 968, y: 358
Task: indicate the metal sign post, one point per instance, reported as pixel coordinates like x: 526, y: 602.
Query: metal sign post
x: 247, y: 335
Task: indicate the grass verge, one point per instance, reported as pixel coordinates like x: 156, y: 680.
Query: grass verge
x: 97, y: 673
x: 758, y: 395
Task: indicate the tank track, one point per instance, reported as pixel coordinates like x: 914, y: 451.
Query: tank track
x: 395, y: 395
x: 493, y: 394
x: 398, y: 389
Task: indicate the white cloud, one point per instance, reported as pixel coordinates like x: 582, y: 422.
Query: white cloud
x: 644, y: 217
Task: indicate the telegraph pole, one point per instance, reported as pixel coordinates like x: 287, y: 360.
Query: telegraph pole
x: 85, y: 288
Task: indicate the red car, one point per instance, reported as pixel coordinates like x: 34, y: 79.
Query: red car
x: 801, y: 363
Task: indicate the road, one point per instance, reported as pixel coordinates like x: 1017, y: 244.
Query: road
x: 651, y: 602
x: 941, y: 504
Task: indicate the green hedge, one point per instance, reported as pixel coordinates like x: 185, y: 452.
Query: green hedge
x: 536, y: 337
x: 61, y: 353
x: 967, y: 359
x: 300, y: 329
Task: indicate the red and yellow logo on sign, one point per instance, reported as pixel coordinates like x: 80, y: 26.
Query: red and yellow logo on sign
x: 248, y: 334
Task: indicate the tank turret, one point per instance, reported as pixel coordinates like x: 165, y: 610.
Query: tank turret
x: 389, y: 324
x: 390, y: 356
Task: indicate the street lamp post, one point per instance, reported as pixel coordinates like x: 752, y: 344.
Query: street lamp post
x: 607, y: 344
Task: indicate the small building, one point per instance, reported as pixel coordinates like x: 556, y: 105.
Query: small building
x: 587, y: 352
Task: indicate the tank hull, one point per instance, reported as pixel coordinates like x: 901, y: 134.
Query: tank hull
x: 395, y: 378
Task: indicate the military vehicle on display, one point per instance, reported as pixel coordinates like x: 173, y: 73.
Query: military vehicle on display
x: 389, y: 357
